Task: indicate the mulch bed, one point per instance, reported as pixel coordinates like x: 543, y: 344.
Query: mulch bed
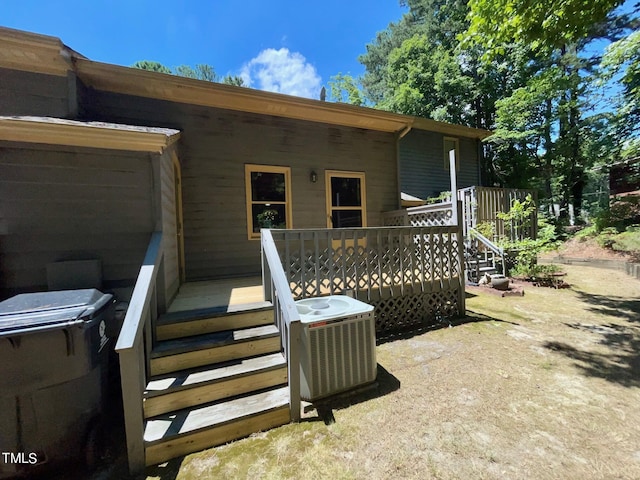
x: 517, y: 285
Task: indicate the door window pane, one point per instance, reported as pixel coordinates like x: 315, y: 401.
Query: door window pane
x: 345, y: 192
x: 346, y: 218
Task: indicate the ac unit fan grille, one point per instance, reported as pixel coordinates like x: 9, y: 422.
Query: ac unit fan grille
x: 341, y: 356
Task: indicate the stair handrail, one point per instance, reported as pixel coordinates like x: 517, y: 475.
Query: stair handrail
x: 489, y: 244
x: 133, y: 348
x: 278, y: 291
x: 430, y: 207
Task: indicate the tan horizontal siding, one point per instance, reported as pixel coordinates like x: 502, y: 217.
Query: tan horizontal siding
x: 26, y: 93
x: 214, y: 147
x: 169, y: 229
x: 68, y: 204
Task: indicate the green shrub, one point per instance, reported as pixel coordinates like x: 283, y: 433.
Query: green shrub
x: 443, y: 197
x: 628, y: 241
x: 518, y: 219
x: 535, y: 271
x: 526, y: 251
x: 486, y: 229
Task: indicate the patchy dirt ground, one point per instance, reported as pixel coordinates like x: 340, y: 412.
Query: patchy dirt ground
x: 545, y: 386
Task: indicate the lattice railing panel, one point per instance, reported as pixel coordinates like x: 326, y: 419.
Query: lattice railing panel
x: 422, y: 309
x: 375, y: 264
x: 396, y: 218
x: 437, y: 218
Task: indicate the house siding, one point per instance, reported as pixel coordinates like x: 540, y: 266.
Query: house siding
x: 167, y: 222
x: 61, y: 203
x: 422, y: 171
x: 215, y: 146
x: 26, y: 93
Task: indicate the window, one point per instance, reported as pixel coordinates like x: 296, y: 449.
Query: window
x: 268, y: 192
x: 346, y: 199
x: 451, y: 144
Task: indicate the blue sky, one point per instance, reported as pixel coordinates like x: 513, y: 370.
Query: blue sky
x: 279, y: 45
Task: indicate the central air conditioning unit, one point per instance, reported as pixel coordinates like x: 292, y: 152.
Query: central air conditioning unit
x: 338, y: 351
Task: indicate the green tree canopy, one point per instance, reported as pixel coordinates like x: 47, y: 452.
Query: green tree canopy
x: 200, y: 72
x: 543, y: 25
x: 152, y: 66
x: 622, y: 59
x: 345, y: 89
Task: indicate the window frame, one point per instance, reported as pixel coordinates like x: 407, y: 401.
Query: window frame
x: 445, y: 152
x: 254, y: 168
x: 329, y: 174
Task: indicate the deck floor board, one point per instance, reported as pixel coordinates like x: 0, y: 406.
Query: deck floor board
x: 229, y: 292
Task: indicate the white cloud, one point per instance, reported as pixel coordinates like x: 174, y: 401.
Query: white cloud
x: 282, y: 71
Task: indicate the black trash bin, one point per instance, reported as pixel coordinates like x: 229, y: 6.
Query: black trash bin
x: 54, y: 356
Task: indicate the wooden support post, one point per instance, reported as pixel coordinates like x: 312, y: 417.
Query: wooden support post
x: 267, y: 286
x: 462, y: 272
x: 454, y: 186
x: 133, y: 379
x: 293, y: 365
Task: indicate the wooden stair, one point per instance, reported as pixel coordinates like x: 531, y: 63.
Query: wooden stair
x: 216, y: 376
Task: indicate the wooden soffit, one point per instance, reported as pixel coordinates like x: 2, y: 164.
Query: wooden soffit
x: 44, y: 54
x: 54, y: 131
x: 450, y: 129
x: 131, y: 81
x: 33, y: 53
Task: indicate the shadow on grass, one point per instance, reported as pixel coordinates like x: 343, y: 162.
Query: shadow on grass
x: 620, y: 363
x: 385, y: 384
x: 165, y: 471
x: 619, y: 307
x: 421, y: 328
x: 622, y: 367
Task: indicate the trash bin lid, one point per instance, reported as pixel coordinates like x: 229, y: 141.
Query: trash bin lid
x: 29, y: 312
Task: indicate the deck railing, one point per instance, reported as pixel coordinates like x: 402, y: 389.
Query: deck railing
x: 480, y: 249
x: 134, y: 346
x: 434, y: 215
x: 482, y: 204
x: 412, y: 275
x: 287, y: 319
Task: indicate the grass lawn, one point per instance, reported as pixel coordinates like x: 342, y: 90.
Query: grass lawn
x: 545, y: 386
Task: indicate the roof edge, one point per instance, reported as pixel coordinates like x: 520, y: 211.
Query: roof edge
x: 56, y: 131
x: 46, y: 54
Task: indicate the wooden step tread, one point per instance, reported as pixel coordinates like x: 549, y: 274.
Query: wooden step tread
x: 218, y: 311
x: 183, y: 422
x: 212, y: 340
x: 163, y: 384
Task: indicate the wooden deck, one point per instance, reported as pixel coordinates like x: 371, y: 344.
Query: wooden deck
x: 231, y: 292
